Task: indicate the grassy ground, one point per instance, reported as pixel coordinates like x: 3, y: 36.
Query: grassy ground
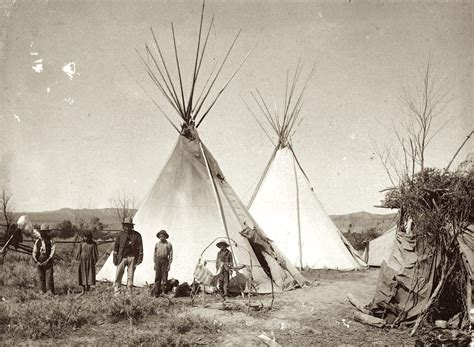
x: 318, y: 314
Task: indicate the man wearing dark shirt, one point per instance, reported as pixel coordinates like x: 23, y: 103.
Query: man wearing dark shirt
x: 128, y: 252
x: 43, y: 254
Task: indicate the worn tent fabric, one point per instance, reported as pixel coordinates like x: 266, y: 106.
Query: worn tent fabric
x: 466, y: 243
x: 287, y: 208
x: 397, y: 293
x: 183, y: 201
x: 396, y: 290
x: 380, y: 249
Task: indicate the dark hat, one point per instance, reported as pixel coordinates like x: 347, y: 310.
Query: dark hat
x: 127, y: 220
x: 222, y: 243
x: 162, y: 232
x: 88, y: 234
x: 45, y: 227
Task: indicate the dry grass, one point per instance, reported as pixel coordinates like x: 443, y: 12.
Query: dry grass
x: 59, y: 316
x: 28, y: 314
x: 302, y: 317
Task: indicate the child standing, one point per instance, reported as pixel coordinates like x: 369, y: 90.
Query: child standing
x: 163, y: 257
x: 87, y: 256
x: 223, y: 267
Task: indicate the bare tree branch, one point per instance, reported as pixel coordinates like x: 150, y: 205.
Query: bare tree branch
x: 7, y: 208
x: 124, y: 205
x: 426, y: 101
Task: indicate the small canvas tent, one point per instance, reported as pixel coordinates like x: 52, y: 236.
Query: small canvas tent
x: 380, y: 249
x: 193, y: 201
x: 284, y: 202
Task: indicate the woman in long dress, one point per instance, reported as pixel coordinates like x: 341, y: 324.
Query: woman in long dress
x: 87, y: 256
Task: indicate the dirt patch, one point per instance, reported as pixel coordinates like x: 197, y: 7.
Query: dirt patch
x: 317, y: 314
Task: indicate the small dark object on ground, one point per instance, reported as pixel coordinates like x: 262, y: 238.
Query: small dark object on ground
x: 182, y: 290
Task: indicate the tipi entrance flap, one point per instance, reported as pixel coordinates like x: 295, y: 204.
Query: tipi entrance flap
x: 283, y: 273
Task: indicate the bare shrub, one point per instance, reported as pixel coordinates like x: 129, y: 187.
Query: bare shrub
x: 134, y: 308
x: 19, y: 273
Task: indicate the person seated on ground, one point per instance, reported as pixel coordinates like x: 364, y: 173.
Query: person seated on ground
x: 43, y: 253
x: 223, y: 267
x: 163, y: 257
x: 87, y: 256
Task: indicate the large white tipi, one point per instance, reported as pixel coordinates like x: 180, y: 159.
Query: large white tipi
x: 192, y: 200
x: 284, y: 202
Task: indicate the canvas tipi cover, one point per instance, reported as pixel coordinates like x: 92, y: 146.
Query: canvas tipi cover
x: 287, y: 207
x: 284, y: 202
x: 193, y: 202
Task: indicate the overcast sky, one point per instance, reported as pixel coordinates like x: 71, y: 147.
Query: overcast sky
x: 76, y: 127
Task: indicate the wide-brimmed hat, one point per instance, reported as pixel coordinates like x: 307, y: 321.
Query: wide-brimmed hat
x: 45, y: 227
x: 127, y: 220
x: 222, y: 243
x: 162, y: 232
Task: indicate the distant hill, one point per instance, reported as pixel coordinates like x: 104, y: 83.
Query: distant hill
x: 107, y: 216
x: 361, y: 221
x: 356, y: 222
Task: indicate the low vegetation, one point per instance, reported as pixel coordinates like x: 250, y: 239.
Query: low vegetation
x: 55, y: 317
x: 360, y: 240
x: 27, y: 314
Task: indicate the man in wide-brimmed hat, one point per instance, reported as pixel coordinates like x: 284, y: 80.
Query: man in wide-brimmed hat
x: 43, y: 253
x: 223, y: 267
x: 128, y: 252
x: 163, y: 257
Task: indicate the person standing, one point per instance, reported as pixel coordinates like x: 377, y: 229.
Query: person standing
x: 223, y: 267
x: 128, y: 252
x: 163, y: 257
x: 87, y: 256
x: 43, y: 253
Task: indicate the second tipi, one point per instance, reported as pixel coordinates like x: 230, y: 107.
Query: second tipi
x: 285, y: 204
